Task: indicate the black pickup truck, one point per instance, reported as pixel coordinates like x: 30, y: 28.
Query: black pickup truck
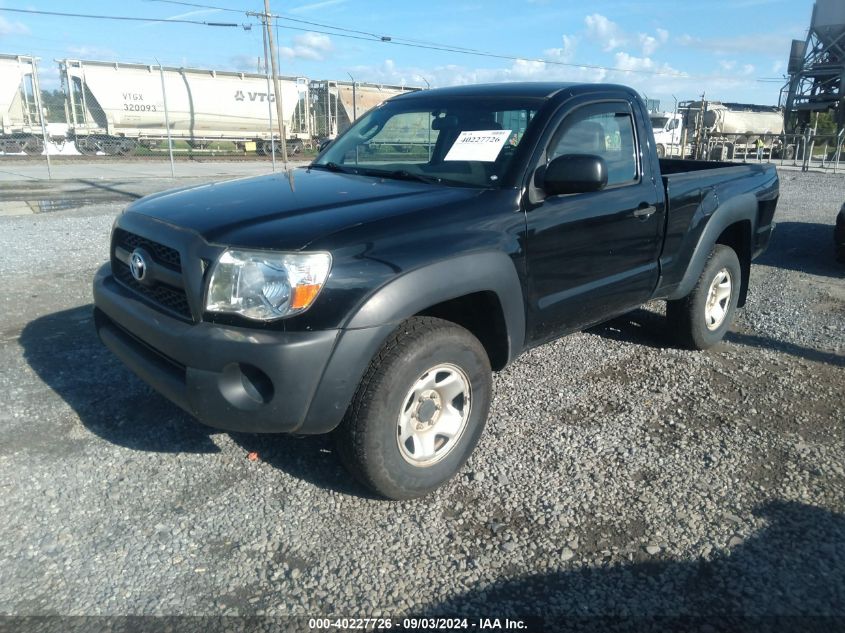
x: 445, y: 233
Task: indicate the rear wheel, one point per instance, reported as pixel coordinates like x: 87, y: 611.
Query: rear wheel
x: 661, y: 151
x: 419, y: 410
x: 701, y: 319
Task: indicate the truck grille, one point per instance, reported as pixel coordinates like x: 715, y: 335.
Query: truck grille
x: 164, y: 255
x: 167, y: 297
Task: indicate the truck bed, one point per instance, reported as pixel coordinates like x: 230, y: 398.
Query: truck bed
x: 695, y: 190
x: 681, y: 166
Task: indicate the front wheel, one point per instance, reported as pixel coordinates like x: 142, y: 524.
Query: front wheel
x: 419, y: 410
x: 701, y: 319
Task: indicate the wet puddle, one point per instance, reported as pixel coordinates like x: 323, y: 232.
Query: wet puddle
x: 28, y: 207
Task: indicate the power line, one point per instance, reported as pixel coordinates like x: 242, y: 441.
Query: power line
x: 376, y: 36
x: 117, y: 17
x: 369, y: 37
x: 401, y: 41
x: 447, y: 49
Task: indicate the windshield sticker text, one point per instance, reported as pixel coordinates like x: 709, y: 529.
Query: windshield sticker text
x: 480, y: 145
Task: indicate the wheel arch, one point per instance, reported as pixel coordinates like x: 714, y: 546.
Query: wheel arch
x: 731, y: 224
x: 738, y: 237
x: 458, y: 290
x: 479, y: 291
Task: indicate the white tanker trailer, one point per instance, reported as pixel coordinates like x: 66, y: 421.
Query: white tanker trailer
x: 113, y: 107
x: 730, y: 130
x: 20, y: 103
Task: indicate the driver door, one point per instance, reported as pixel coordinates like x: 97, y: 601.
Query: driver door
x: 594, y: 255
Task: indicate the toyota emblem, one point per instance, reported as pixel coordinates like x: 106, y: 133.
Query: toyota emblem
x: 137, y: 265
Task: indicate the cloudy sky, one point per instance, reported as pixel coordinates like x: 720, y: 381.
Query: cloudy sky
x: 735, y: 50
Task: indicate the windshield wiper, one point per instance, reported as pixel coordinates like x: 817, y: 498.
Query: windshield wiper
x: 401, y: 174
x: 330, y: 166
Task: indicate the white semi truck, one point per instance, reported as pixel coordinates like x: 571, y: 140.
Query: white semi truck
x: 667, y: 128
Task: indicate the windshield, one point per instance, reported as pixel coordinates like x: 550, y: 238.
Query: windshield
x: 455, y: 141
x: 659, y: 122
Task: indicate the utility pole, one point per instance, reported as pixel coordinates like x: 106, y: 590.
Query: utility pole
x: 354, y: 99
x: 277, y: 88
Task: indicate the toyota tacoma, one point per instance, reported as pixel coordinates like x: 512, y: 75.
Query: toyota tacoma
x: 447, y: 231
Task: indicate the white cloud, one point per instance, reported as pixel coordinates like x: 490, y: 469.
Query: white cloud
x: 748, y: 69
x: 727, y: 64
x: 311, y: 46
x: 9, y: 27
x: 629, y: 63
x: 611, y: 36
x: 763, y: 43
x: 648, y: 44
x: 605, y: 32
x: 565, y: 53
x: 778, y: 67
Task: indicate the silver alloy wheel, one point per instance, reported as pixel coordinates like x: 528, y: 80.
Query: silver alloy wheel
x: 434, y: 415
x: 718, y: 299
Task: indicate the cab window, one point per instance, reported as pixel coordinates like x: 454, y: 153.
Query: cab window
x: 605, y: 130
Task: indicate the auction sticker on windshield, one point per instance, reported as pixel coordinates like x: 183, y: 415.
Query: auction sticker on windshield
x: 481, y: 145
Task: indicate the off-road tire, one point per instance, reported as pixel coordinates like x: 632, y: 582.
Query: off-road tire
x: 687, y: 317
x: 366, y: 439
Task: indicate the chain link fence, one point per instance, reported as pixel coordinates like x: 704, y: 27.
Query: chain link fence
x: 150, y: 112
x: 805, y: 151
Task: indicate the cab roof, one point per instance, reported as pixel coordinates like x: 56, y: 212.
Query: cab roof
x: 530, y: 89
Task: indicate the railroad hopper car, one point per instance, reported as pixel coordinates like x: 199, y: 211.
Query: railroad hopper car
x: 113, y: 107
x: 20, y: 103
x: 336, y: 104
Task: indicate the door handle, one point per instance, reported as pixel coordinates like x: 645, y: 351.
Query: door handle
x: 643, y: 213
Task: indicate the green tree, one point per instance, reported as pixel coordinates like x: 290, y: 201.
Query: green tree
x: 826, y: 124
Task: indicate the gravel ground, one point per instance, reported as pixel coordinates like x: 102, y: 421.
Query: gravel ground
x: 617, y: 476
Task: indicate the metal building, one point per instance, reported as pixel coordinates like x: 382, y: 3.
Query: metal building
x: 817, y: 67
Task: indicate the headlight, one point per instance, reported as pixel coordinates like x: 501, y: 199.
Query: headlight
x: 265, y: 286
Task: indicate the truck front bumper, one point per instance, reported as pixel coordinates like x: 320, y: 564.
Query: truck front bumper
x: 233, y: 378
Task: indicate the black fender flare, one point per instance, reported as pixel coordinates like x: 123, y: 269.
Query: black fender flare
x: 421, y: 288
x: 368, y: 327
x: 740, y: 208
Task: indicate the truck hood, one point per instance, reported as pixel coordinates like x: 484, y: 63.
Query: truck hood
x: 290, y: 210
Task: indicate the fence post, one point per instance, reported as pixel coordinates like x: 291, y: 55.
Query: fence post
x: 808, y: 155
x: 36, y: 88
x: 166, y: 119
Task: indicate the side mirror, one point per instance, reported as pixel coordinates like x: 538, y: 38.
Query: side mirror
x: 575, y: 173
